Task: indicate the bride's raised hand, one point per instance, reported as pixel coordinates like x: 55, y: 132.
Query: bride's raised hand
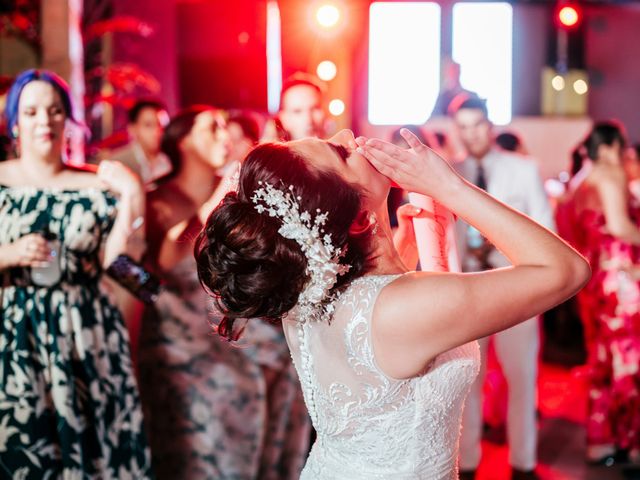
x: 417, y: 169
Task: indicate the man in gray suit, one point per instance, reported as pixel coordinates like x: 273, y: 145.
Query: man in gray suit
x: 146, y: 122
x: 515, y: 180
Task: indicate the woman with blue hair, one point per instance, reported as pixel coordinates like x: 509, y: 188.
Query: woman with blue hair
x: 69, y: 405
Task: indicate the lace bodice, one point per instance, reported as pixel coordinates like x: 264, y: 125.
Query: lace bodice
x: 371, y: 426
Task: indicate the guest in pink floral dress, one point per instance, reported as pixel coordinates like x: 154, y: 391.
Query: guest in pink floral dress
x: 605, y: 230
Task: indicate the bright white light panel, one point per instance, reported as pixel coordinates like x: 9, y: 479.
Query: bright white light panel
x: 482, y: 45
x: 404, y: 62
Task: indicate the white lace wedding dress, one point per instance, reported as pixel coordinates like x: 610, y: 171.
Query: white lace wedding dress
x: 371, y: 426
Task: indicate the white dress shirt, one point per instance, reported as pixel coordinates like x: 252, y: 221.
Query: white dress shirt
x: 514, y: 180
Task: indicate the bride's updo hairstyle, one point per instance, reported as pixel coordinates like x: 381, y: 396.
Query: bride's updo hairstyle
x: 245, y: 264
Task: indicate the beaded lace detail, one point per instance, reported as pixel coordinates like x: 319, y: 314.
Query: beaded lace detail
x: 323, y: 258
x: 371, y: 426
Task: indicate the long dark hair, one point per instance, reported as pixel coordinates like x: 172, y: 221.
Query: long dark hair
x: 250, y: 269
x: 179, y: 127
x: 603, y: 133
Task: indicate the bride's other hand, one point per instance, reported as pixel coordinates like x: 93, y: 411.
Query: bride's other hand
x: 418, y: 169
x: 404, y: 238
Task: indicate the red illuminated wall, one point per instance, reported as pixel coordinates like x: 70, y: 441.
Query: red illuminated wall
x: 612, y: 36
x: 156, y: 54
x: 222, y: 53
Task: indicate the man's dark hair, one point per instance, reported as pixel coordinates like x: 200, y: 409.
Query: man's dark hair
x: 509, y: 141
x: 472, y: 102
x: 135, y: 111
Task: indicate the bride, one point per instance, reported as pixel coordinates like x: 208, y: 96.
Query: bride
x: 385, y: 356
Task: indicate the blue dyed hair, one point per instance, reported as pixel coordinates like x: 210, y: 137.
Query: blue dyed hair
x: 21, y: 81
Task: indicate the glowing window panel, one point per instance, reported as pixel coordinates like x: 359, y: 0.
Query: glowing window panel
x: 274, y: 57
x: 482, y: 45
x: 404, y: 62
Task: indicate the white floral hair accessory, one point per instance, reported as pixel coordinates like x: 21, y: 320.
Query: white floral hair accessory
x: 323, y: 258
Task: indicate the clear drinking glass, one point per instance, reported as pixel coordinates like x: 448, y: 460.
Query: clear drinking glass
x: 49, y: 274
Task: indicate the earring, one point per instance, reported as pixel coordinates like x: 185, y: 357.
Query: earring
x: 364, y: 223
x: 373, y: 220
x: 15, y: 132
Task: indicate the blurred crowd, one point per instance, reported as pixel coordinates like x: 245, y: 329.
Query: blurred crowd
x: 105, y: 371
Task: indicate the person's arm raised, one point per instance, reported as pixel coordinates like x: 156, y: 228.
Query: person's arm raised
x: 421, y: 315
x: 126, y: 234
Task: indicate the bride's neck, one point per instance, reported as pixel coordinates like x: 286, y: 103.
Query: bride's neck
x: 385, y: 257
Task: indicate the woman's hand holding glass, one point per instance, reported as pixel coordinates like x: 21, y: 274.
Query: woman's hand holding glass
x: 32, y: 250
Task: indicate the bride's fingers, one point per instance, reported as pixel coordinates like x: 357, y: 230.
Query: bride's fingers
x: 413, y: 141
x: 377, y: 161
x: 402, y: 162
x: 386, y: 147
x: 381, y: 156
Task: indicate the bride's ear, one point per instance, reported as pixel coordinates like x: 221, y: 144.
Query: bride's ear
x: 364, y: 222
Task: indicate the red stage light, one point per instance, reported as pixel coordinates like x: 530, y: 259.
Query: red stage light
x: 568, y: 16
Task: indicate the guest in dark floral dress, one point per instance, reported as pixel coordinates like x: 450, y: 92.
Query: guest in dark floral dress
x: 69, y: 405
x: 604, y: 227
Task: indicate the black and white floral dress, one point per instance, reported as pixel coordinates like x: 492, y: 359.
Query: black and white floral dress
x: 69, y: 405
